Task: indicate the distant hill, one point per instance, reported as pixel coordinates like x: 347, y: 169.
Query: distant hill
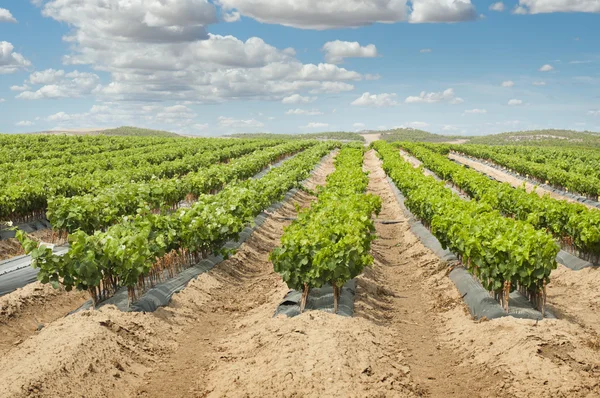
x: 541, y: 138
x: 341, y: 136
x: 138, y: 132
x: 416, y: 135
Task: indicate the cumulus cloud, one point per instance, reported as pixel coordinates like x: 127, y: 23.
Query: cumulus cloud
x: 449, y: 127
x: 370, y: 76
x: 425, y: 50
x: 539, y: 83
x: 2, y: 100
x: 59, y: 84
x: 508, y: 83
x: 298, y: 99
x: 11, y: 61
x: 359, y: 125
x: 431, y: 98
x: 6, y: 16
x: 418, y: 125
x: 431, y: 11
x: 314, y: 125
x: 337, y: 51
x: 307, y: 112
x: 498, y: 6
x: 19, y: 88
x: 318, y: 14
x: 515, y: 102
x: 546, y: 68
x: 549, y: 6
x: 24, y: 123
x: 231, y: 16
x: 476, y: 111
x: 519, y: 10
x: 595, y: 112
x: 376, y: 100
x: 228, y: 122
x: 158, y: 50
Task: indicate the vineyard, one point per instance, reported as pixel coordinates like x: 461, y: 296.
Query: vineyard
x: 223, y: 232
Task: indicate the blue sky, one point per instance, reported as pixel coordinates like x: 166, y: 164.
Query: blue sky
x: 290, y: 66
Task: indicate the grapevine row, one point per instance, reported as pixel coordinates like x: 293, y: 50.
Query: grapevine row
x: 577, y: 226
x: 330, y: 241
x: 29, y: 196
x: 582, y: 183
x: 92, y: 212
x: 503, y: 253
x: 141, y: 251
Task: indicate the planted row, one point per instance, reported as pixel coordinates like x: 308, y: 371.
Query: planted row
x: 330, y: 241
x: 143, y: 249
x: 97, y: 211
x: 503, y: 253
x: 584, y: 183
x: 577, y: 226
x: 29, y: 195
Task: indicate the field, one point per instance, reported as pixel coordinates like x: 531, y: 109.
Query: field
x: 139, y: 263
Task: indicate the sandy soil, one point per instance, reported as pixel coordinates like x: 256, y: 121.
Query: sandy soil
x: 10, y: 248
x: 369, y: 138
x: 514, y: 181
x: 411, y: 336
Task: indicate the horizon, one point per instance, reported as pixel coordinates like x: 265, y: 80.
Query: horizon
x: 204, y: 68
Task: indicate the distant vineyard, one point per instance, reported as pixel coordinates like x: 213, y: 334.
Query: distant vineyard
x: 340, y: 136
x: 415, y: 135
x: 138, y: 132
x: 541, y: 138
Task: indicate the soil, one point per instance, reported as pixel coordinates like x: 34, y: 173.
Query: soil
x: 10, y: 248
x: 411, y: 335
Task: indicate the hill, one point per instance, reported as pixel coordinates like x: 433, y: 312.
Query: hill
x: 340, y: 136
x: 541, y: 138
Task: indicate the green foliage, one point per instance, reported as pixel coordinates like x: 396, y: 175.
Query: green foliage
x: 341, y: 136
x: 138, y: 132
x: 571, y: 222
x: 550, y: 137
x: 415, y: 135
x: 132, y: 250
x: 494, y: 248
x: 330, y: 241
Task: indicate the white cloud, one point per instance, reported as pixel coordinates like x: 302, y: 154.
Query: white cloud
x: 24, y: 123
x: 546, y: 68
x: 449, y: 127
x: 47, y: 76
x: 508, y: 83
x: 376, y: 100
x: 159, y: 50
x: 314, y: 125
x: 318, y: 14
x: 58, y: 84
x: 370, y: 76
x: 11, y: 61
x: 231, y: 16
x: 59, y: 117
x: 298, y: 99
x: 425, y: 50
x: 515, y: 102
x: 427, y: 11
x: 307, y: 112
x: 2, y: 100
x: 6, y: 16
x: 337, y: 51
x: 499, y: 6
x: 595, y: 112
x: 19, y: 88
x: 476, y: 111
x: 430, y: 98
x: 519, y: 10
x: 579, y: 62
x: 549, y: 6
x: 227, y: 122
x: 539, y: 83
x: 418, y: 125
x: 359, y: 125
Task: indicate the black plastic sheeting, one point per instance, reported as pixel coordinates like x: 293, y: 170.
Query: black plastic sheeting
x: 478, y: 300
x: 563, y: 257
x: 319, y: 299
x: 161, y: 294
x: 578, y: 198
x: 27, y: 227
x: 17, y: 272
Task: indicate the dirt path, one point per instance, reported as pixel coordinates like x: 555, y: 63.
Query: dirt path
x: 512, y: 180
x: 369, y: 138
x: 410, y: 306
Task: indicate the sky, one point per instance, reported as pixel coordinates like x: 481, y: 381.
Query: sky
x: 217, y: 67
